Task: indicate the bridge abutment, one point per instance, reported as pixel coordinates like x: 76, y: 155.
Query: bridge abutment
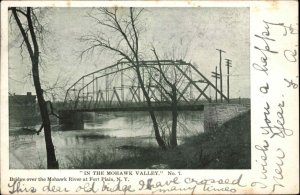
x: 71, y: 120
x: 216, y: 115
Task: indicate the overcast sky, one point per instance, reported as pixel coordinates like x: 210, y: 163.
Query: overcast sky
x: 198, y: 32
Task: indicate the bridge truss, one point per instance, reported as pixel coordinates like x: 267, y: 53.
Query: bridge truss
x: 117, y: 86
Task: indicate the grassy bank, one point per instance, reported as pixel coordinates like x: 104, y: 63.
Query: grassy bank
x: 227, y: 147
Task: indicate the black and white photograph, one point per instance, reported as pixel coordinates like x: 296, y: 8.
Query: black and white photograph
x: 129, y: 88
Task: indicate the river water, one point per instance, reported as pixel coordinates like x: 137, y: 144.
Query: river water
x: 103, y: 133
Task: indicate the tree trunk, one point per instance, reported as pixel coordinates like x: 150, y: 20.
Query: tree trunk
x: 173, y: 140
x: 51, y: 159
x: 158, y: 138
x: 174, y: 128
x: 34, y: 57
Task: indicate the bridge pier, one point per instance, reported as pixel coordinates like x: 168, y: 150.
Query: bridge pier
x: 71, y: 120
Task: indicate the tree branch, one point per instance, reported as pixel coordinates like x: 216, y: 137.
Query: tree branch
x: 51, y: 109
x: 134, y: 30
x: 99, y: 43
x: 32, y: 33
x: 159, y: 83
x: 23, y: 32
x: 161, y: 71
x: 122, y: 32
x: 18, y: 10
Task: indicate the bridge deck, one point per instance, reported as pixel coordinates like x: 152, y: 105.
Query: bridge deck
x: 138, y: 108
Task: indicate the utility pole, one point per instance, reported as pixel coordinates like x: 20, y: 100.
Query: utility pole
x: 228, y: 64
x: 220, y: 65
x: 217, y: 76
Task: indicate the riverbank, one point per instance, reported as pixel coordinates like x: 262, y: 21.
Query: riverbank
x: 227, y: 147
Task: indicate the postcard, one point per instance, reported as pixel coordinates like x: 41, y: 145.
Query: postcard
x: 149, y: 97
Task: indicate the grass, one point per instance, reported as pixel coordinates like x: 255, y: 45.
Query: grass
x: 88, y: 159
x: 226, y: 147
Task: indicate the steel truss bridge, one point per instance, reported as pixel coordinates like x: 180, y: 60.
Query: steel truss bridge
x: 116, y: 88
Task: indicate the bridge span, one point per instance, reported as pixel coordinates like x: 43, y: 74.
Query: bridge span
x: 116, y: 88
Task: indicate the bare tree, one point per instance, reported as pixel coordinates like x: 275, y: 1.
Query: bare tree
x: 173, y: 96
x: 168, y: 80
x: 32, y: 32
x: 126, y: 31
x: 57, y: 89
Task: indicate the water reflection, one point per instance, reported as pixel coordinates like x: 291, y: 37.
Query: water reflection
x: 102, y: 132
x: 139, y: 124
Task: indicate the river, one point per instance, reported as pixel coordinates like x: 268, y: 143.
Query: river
x: 106, y: 135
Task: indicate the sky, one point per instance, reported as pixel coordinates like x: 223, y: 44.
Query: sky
x: 191, y: 34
